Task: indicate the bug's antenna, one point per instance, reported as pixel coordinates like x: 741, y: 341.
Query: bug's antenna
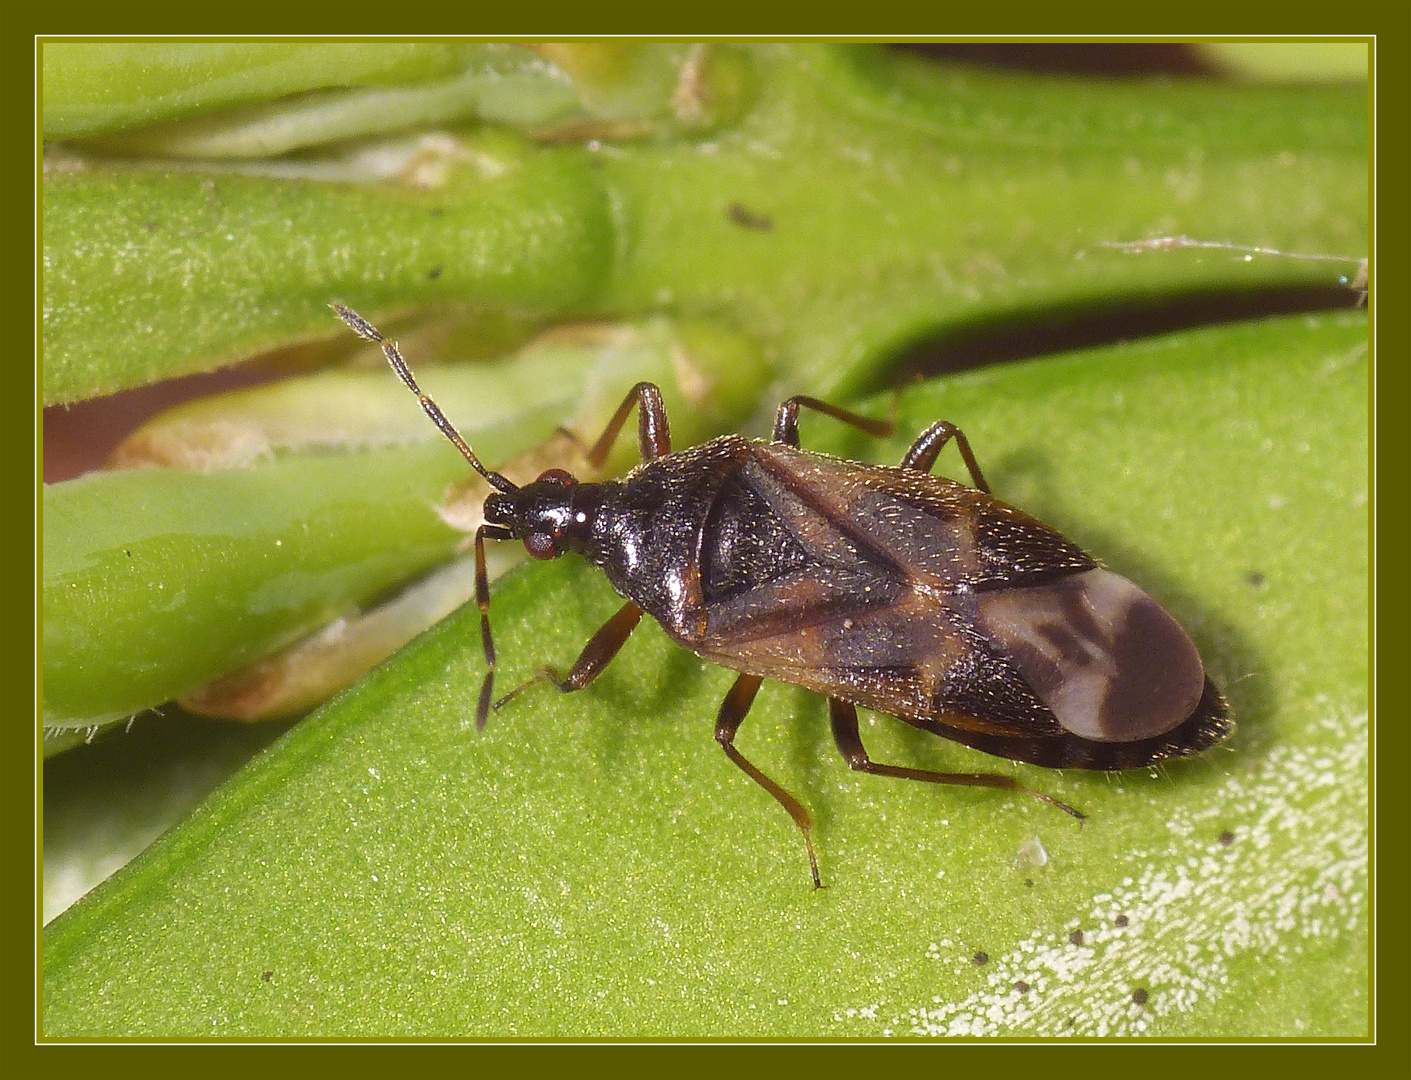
x: 365, y: 329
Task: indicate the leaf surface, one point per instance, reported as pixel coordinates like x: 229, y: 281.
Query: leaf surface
x: 592, y: 865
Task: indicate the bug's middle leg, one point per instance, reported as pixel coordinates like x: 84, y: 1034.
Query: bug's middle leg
x: 732, y: 712
x: 596, y: 655
x: 844, y: 719
x: 928, y: 446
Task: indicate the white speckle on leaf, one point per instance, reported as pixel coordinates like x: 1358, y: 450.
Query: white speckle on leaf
x: 1275, y: 860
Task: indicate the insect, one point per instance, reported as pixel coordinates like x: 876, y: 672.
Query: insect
x: 886, y: 587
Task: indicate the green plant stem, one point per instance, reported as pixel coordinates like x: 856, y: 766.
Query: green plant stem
x: 864, y: 201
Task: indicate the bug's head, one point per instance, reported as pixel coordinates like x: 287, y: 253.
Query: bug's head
x: 552, y: 515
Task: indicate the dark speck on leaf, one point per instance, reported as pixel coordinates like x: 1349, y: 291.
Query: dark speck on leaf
x: 434, y: 273
x: 1022, y: 986
x: 1076, y: 937
x: 1121, y: 920
x: 438, y: 211
x: 980, y: 958
x: 1227, y: 838
x: 1029, y: 883
x: 1139, y: 996
x: 748, y: 219
x: 1255, y: 578
x: 267, y: 975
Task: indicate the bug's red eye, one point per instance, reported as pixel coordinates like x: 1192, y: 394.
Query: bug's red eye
x: 557, y: 476
x: 541, y: 545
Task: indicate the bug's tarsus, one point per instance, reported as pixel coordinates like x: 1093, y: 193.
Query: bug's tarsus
x: 544, y: 674
x: 572, y: 436
x: 843, y: 716
x: 732, y: 712
x: 786, y: 420
x: 365, y: 329
x: 482, y: 708
x: 482, y: 601
x: 596, y: 655
x: 1082, y: 817
x: 653, y: 429
x: 929, y: 444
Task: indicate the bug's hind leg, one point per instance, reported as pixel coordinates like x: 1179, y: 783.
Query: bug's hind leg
x: 596, y: 655
x: 786, y: 420
x: 732, y: 712
x: 932, y: 441
x: 844, y: 719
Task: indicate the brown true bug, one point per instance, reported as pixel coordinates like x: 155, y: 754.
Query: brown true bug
x: 906, y: 593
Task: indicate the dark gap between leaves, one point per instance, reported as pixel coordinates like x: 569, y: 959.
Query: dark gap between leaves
x: 960, y: 347
x: 78, y: 438
x: 1115, y: 59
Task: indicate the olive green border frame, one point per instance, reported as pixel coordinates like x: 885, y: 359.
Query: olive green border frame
x: 1087, y: 20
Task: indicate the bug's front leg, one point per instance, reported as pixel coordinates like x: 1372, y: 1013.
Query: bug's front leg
x: 732, y: 712
x: 482, y: 600
x: 928, y: 445
x: 596, y: 655
x: 843, y: 715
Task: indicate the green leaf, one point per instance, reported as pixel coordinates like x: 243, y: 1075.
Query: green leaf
x: 151, y: 275
x: 159, y: 580
x: 91, y: 88
x: 1291, y: 61
x: 592, y: 865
